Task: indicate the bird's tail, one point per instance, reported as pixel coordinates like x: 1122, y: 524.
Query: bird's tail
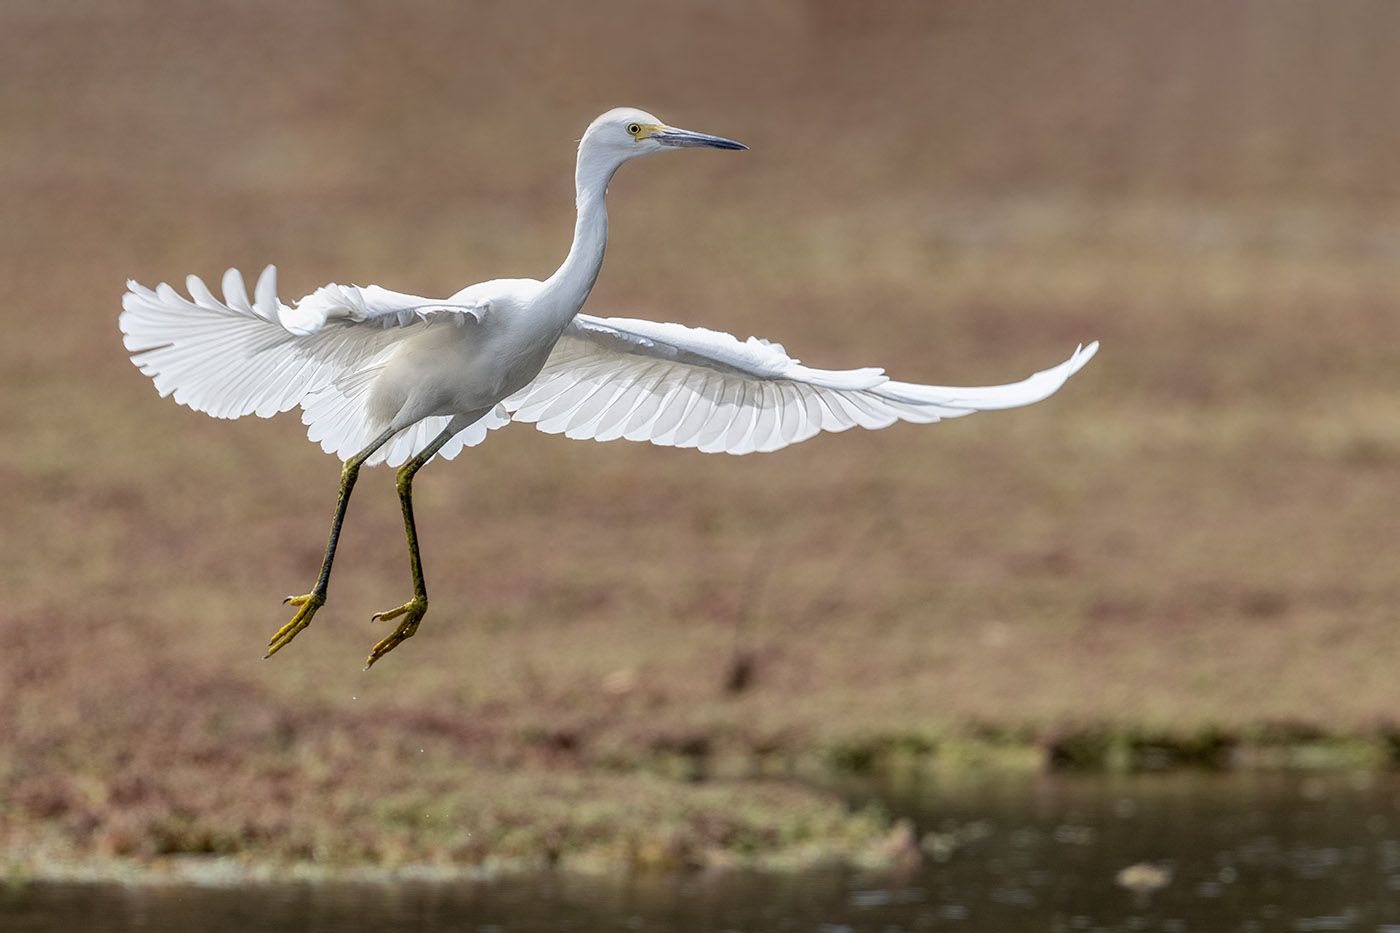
x: 339, y: 418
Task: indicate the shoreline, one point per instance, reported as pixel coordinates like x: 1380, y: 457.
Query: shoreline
x: 864, y: 838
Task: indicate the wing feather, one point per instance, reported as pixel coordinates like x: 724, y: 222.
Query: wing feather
x: 721, y: 416
x: 236, y: 356
x: 670, y: 416
x: 680, y: 386
x: 697, y: 411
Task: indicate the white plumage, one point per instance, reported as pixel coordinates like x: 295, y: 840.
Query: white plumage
x: 607, y: 378
x: 238, y: 357
x: 383, y: 376
x: 677, y: 386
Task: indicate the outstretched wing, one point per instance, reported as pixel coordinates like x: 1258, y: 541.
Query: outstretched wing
x: 238, y: 356
x: 680, y: 386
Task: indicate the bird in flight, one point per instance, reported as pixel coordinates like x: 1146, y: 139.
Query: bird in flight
x: 386, y: 377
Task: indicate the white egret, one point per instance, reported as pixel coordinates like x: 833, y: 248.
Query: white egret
x: 385, y: 377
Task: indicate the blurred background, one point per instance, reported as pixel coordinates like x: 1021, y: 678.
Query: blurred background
x: 1189, y: 548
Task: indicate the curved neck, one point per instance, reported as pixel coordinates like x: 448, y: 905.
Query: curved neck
x: 569, y: 286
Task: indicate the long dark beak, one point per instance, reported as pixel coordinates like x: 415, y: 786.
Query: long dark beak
x: 671, y: 136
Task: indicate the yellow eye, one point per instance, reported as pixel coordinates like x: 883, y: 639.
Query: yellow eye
x: 633, y: 129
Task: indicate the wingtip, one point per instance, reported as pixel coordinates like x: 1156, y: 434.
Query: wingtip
x: 1084, y: 353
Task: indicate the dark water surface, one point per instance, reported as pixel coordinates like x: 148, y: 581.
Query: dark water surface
x: 1244, y: 852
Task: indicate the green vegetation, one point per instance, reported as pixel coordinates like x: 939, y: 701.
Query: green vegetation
x: 640, y: 656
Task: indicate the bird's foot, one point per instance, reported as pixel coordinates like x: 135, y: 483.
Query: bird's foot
x: 412, y: 612
x: 306, y: 608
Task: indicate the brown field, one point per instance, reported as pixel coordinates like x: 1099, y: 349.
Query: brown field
x: 1196, y: 537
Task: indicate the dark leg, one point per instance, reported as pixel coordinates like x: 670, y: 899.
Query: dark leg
x: 413, y: 610
x: 308, y: 604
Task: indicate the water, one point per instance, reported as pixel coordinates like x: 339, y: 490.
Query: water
x: 1243, y: 853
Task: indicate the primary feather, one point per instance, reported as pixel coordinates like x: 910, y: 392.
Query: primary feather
x: 234, y: 357
x: 238, y: 357
x: 678, y: 386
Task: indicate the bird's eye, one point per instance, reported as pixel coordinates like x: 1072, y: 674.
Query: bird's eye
x: 633, y: 129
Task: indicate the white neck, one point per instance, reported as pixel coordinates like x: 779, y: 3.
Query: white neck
x: 567, y: 289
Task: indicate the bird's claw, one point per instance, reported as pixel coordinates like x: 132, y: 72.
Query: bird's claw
x: 389, y: 614
x: 412, y: 612
x: 307, y: 606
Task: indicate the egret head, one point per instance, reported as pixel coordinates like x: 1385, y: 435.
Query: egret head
x: 625, y: 133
